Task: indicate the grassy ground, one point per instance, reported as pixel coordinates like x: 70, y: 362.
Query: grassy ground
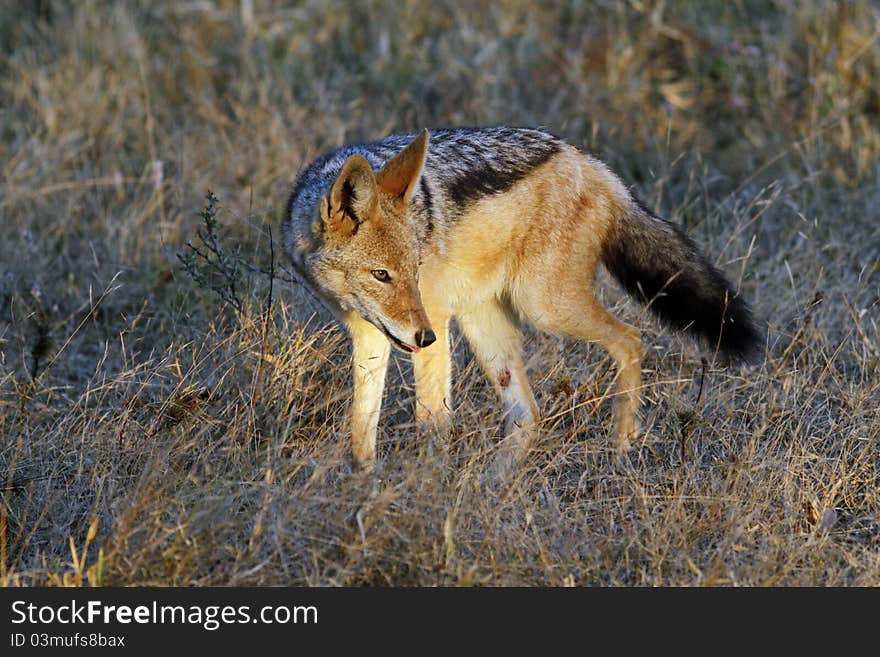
x: 153, y: 434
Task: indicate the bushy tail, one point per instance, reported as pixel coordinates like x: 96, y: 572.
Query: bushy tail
x: 662, y: 267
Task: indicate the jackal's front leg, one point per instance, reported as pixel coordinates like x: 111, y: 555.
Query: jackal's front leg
x: 431, y: 367
x: 497, y: 344
x: 370, y: 350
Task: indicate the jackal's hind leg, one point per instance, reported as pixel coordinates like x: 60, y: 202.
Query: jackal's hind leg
x: 585, y: 318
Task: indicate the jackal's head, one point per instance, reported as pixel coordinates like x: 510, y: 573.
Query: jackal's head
x: 369, y: 260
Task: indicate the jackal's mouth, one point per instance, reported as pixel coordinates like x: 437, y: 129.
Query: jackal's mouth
x: 397, y: 342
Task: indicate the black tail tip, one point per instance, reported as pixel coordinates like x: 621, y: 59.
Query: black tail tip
x: 739, y: 338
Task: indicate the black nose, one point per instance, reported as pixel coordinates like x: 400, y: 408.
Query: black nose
x: 425, y: 338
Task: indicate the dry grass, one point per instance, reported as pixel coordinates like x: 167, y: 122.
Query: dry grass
x: 151, y: 435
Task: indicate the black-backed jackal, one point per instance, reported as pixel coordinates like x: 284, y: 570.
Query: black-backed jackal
x: 491, y: 226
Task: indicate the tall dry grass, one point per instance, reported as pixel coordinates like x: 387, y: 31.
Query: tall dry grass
x: 153, y: 435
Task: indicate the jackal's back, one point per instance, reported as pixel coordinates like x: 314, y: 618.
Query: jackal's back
x: 462, y: 166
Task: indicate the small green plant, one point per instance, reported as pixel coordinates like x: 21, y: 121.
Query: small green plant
x: 220, y: 269
x: 210, y: 265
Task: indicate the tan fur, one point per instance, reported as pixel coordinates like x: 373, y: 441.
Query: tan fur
x: 539, y: 244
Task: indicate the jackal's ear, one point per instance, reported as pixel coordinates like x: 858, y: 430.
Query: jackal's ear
x: 400, y: 174
x: 353, y: 198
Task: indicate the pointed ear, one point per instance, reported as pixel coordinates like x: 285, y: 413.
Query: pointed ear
x: 353, y: 198
x: 400, y: 174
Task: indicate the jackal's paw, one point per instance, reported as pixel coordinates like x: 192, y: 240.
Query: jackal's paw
x: 508, y: 458
x: 628, y: 430
x: 434, y: 436
x: 365, y: 465
x: 434, y: 425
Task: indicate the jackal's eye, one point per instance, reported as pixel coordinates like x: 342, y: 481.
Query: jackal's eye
x: 380, y: 275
